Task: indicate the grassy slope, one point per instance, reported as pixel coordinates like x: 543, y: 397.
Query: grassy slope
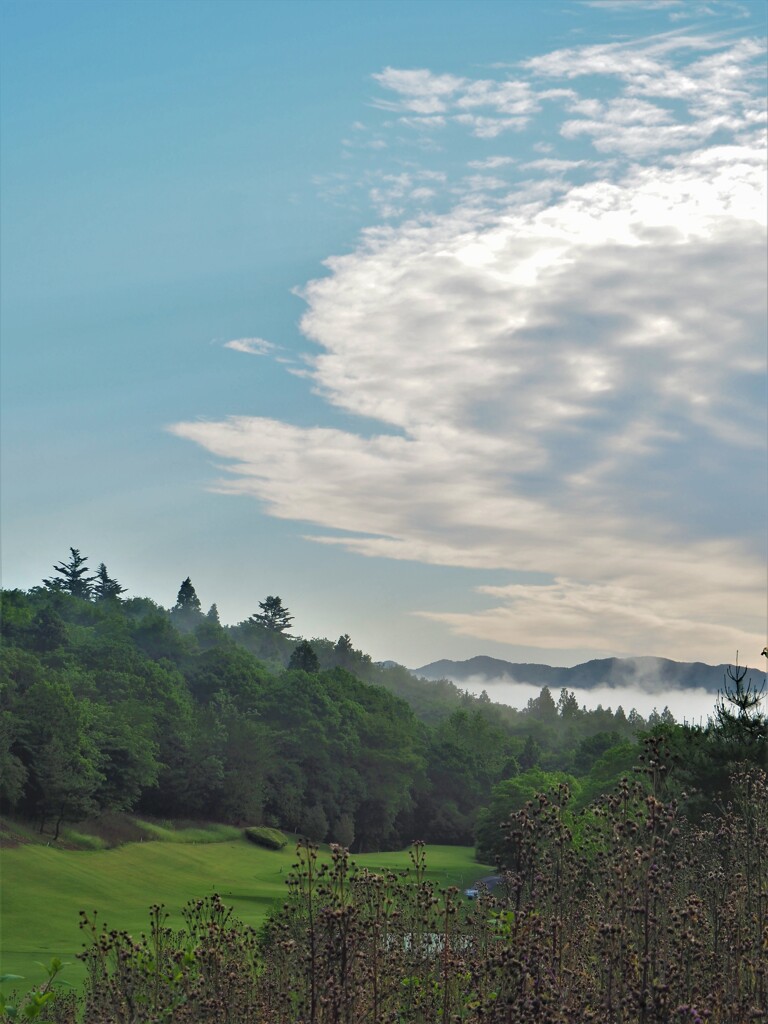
x: 43, y: 888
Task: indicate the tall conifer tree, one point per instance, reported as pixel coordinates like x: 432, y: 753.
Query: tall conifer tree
x: 72, y: 578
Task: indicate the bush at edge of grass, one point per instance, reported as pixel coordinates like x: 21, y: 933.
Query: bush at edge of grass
x: 271, y: 838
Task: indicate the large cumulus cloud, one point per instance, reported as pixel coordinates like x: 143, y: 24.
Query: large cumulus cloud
x: 564, y: 374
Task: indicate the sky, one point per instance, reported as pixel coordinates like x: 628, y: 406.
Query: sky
x: 444, y: 321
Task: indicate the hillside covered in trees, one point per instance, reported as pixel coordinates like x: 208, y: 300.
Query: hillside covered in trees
x: 113, y: 703
x: 660, y: 673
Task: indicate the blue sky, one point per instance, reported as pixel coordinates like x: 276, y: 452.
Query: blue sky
x: 443, y: 321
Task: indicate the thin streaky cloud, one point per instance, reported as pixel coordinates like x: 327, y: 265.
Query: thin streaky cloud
x: 628, y: 6
x: 552, y: 166
x: 419, y: 90
x: 678, y: 10
x: 492, y: 163
x: 251, y: 346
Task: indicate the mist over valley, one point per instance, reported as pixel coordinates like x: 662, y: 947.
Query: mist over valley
x: 688, y: 689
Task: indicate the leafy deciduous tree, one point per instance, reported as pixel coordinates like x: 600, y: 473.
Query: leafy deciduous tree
x: 57, y: 745
x: 13, y: 774
x: 48, y: 630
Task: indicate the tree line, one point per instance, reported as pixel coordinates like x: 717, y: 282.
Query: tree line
x: 114, y: 703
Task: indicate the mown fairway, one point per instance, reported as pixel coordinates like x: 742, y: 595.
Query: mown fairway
x: 43, y: 889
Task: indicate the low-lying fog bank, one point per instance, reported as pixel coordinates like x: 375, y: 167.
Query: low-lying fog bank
x: 690, y: 705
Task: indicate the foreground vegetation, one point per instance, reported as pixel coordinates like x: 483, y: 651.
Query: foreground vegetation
x: 644, y: 919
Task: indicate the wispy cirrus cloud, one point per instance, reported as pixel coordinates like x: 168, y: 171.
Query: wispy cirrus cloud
x: 569, y: 377
x: 552, y: 165
x: 418, y: 90
x: 492, y: 163
x: 627, y: 6
x: 677, y: 10
x: 251, y: 346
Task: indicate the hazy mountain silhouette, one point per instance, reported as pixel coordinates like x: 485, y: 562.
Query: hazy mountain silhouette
x: 646, y: 673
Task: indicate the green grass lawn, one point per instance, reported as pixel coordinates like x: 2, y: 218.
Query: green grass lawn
x: 44, y: 888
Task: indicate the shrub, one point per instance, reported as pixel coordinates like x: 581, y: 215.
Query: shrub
x: 271, y: 838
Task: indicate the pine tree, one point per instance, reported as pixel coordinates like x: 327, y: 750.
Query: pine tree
x: 106, y: 588
x: 187, y: 613
x: 635, y: 719
x: 739, y: 719
x: 344, y: 644
x: 343, y: 652
x: 543, y: 707
x: 72, y: 577
x: 304, y: 658
x: 187, y: 599
x: 273, y: 615
x: 208, y: 629
x: 568, y: 705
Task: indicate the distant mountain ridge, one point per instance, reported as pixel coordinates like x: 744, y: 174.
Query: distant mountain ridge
x: 647, y: 673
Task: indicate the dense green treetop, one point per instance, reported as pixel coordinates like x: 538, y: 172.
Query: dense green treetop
x: 303, y: 657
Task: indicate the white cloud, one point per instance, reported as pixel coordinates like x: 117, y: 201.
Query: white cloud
x: 565, y: 375
x: 634, y: 61
x: 628, y: 6
x: 492, y: 163
x: 251, y: 346
x: 490, y: 127
x: 677, y: 596
x: 434, y: 121
x: 482, y: 183
x: 552, y: 166
x: 507, y: 104
x: 678, y: 10
x: 392, y: 191
x: 510, y: 97
x: 418, y: 90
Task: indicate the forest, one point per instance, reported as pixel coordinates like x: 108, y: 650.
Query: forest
x: 634, y: 852
x: 113, y: 703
